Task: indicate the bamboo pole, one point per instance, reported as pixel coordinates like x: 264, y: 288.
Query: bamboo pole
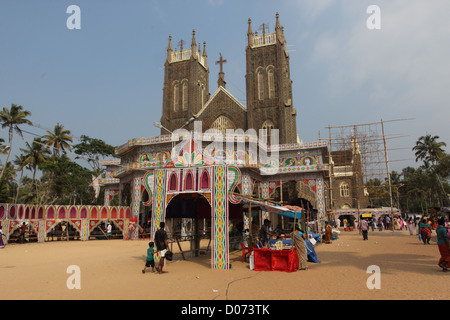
x: 389, y: 176
x: 281, y: 202
x: 250, y: 242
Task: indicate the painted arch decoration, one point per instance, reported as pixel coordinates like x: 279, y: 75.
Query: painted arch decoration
x: 233, y: 179
x: 43, y: 218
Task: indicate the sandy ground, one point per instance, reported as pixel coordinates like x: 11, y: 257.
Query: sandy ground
x: 112, y: 270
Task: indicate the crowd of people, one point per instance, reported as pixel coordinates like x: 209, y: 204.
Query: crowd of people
x: 424, y: 226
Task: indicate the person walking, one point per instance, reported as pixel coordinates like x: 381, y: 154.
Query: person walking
x: 364, y: 227
x: 425, y: 231
x: 411, y: 226
x: 373, y: 224
x: 443, y: 245
x: 161, y: 245
x: 150, y: 260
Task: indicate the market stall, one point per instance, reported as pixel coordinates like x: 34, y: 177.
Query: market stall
x: 280, y: 256
x: 275, y: 260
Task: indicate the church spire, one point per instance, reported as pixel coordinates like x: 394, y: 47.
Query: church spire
x: 194, y: 45
x: 277, y: 23
x: 278, y: 28
x: 169, y: 49
x: 250, y: 32
x: 204, y: 49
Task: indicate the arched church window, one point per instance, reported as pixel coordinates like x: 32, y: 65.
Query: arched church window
x: 261, y: 84
x: 271, y: 83
x: 223, y: 123
x: 267, y: 127
x: 185, y: 95
x: 344, y: 189
x: 176, y: 89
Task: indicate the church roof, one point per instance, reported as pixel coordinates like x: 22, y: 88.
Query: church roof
x: 211, y: 100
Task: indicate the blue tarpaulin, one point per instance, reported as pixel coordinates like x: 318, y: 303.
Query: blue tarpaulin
x: 285, y: 211
x: 312, y: 257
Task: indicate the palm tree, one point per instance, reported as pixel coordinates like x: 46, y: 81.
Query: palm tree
x: 18, y: 161
x: 429, y: 149
x: 11, y: 119
x: 3, y: 149
x: 58, y: 139
x: 35, y: 155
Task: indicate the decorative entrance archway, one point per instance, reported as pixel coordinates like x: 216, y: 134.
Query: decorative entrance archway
x: 188, y: 218
x: 215, y: 183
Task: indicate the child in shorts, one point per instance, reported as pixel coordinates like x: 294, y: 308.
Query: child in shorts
x: 150, y: 261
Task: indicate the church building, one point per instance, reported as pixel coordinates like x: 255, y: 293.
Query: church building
x: 185, y: 173
x: 268, y: 86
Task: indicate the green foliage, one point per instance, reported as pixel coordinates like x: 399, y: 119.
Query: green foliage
x: 93, y: 149
x: 63, y: 181
x: 58, y: 139
x: 67, y: 182
x: 417, y: 190
x: 11, y: 119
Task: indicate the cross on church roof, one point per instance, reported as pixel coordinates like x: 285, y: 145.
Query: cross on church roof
x: 264, y: 27
x: 221, y: 62
x: 181, y: 43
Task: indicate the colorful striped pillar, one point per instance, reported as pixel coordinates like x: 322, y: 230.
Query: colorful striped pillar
x: 159, y: 205
x: 159, y: 202
x: 220, y: 252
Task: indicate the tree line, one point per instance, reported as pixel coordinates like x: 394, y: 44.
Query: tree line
x: 62, y: 181
x: 417, y: 190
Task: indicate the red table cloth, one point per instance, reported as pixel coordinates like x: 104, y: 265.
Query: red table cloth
x: 275, y: 260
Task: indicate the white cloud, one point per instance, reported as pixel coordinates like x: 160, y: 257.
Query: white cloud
x: 400, y: 71
x: 408, y: 56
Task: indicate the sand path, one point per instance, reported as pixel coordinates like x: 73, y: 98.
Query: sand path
x: 112, y: 270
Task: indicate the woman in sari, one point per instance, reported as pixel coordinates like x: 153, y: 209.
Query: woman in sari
x: 424, y: 231
x: 328, y: 231
x: 443, y: 245
x: 300, y: 246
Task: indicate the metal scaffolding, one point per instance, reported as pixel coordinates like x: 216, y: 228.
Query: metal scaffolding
x: 357, y: 154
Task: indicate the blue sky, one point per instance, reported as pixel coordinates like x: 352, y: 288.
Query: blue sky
x: 105, y: 80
